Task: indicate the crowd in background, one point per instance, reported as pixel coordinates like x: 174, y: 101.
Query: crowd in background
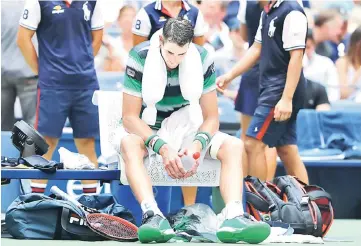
x: 332, y: 60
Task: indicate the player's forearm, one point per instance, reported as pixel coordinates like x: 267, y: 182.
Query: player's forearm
x: 293, y: 75
x: 134, y: 125
x: 248, y: 61
x: 97, y: 36
x: 28, y: 50
x: 210, y: 125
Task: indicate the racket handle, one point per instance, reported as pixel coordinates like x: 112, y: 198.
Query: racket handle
x: 55, y: 190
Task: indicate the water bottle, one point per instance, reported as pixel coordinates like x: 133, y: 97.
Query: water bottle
x: 189, y: 161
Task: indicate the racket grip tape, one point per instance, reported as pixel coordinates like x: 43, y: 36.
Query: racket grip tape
x: 55, y: 190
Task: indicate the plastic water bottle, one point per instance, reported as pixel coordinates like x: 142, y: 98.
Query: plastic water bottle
x: 189, y: 161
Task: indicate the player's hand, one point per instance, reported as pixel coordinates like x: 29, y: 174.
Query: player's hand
x: 222, y: 82
x: 172, y: 162
x: 283, y: 109
x: 195, y: 152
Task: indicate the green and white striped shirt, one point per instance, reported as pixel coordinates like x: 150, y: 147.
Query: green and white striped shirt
x: 173, y: 99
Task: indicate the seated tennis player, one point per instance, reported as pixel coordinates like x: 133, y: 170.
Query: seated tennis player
x: 170, y: 108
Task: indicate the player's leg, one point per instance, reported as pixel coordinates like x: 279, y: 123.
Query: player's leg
x: 246, y: 103
x: 155, y: 227
x: 84, y: 119
x: 86, y: 146
x: 51, y: 113
x: 189, y: 195
x: 26, y: 91
x: 262, y: 131
x: 292, y: 162
x: 257, y: 162
x: 245, y: 121
x: 255, y: 148
x: 271, y: 159
x: 288, y: 152
x: 8, y: 97
x: 237, y: 225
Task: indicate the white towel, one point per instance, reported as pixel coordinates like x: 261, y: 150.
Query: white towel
x: 177, y: 130
x: 155, y: 80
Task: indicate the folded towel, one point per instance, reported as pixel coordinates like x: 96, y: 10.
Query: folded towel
x: 155, y: 80
x: 177, y: 130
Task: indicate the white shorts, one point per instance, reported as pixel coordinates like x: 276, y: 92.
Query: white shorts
x: 210, y: 152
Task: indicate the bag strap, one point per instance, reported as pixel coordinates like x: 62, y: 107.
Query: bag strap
x: 258, y: 202
x: 317, y: 194
x: 58, y: 227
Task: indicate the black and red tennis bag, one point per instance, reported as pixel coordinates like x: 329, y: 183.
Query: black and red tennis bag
x: 306, y: 208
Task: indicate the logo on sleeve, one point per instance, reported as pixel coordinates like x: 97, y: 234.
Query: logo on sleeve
x: 131, y: 72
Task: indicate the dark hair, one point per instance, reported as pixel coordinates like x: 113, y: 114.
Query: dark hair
x: 354, y: 50
x: 325, y: 16
x: 309, y: 35
x: 178, y: 30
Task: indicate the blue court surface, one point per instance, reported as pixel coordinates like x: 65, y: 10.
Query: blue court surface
x: 342, y: 232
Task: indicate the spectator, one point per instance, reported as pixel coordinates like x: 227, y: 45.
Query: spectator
x: 232, y: 12
x: 152, y: 17
x: 69, y: 36
x: 217, y: 34
x: 226, y: 57
x: 349, y: 68
x: 316, y: 97
x: 328, y: 26
x: 17, y: 78
x: 119, y: 47
x: 320, y: 69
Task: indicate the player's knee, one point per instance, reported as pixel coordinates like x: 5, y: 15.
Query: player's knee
x: 230, y: 147
x: 52, y: 142
x: 131, y: 146
x: 253, y: 145
x: 85, y: 142
x: 284, y: 151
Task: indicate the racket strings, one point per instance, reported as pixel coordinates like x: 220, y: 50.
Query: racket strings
x: 111, y: 226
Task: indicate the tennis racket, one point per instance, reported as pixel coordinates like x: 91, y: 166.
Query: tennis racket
x: 105, y: 225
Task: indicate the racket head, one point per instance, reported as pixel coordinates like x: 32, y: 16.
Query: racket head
x: 112, y: 227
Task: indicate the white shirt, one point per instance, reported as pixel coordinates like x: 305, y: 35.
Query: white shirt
x: 294, y: 30
x: 33, y: 16
x: 321, y: 69
x: 142, y: 25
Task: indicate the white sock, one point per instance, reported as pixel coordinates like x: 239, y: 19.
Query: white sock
x: 147, y: 205
x: 233, y: 209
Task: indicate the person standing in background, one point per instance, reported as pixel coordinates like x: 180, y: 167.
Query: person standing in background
x: 117, y: 48
x: 69, y: 35
x: 349, y: 68
x: 320, y: 69
x: 17, y: 78
x: 152, y: 17
x: 279, y: 45
x: 247, y: 98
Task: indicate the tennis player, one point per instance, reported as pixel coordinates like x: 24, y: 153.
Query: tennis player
x: 138, y: 138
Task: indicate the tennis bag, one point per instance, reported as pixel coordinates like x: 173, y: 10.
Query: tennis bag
x: 307, y: 208
x: 36, y: 216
